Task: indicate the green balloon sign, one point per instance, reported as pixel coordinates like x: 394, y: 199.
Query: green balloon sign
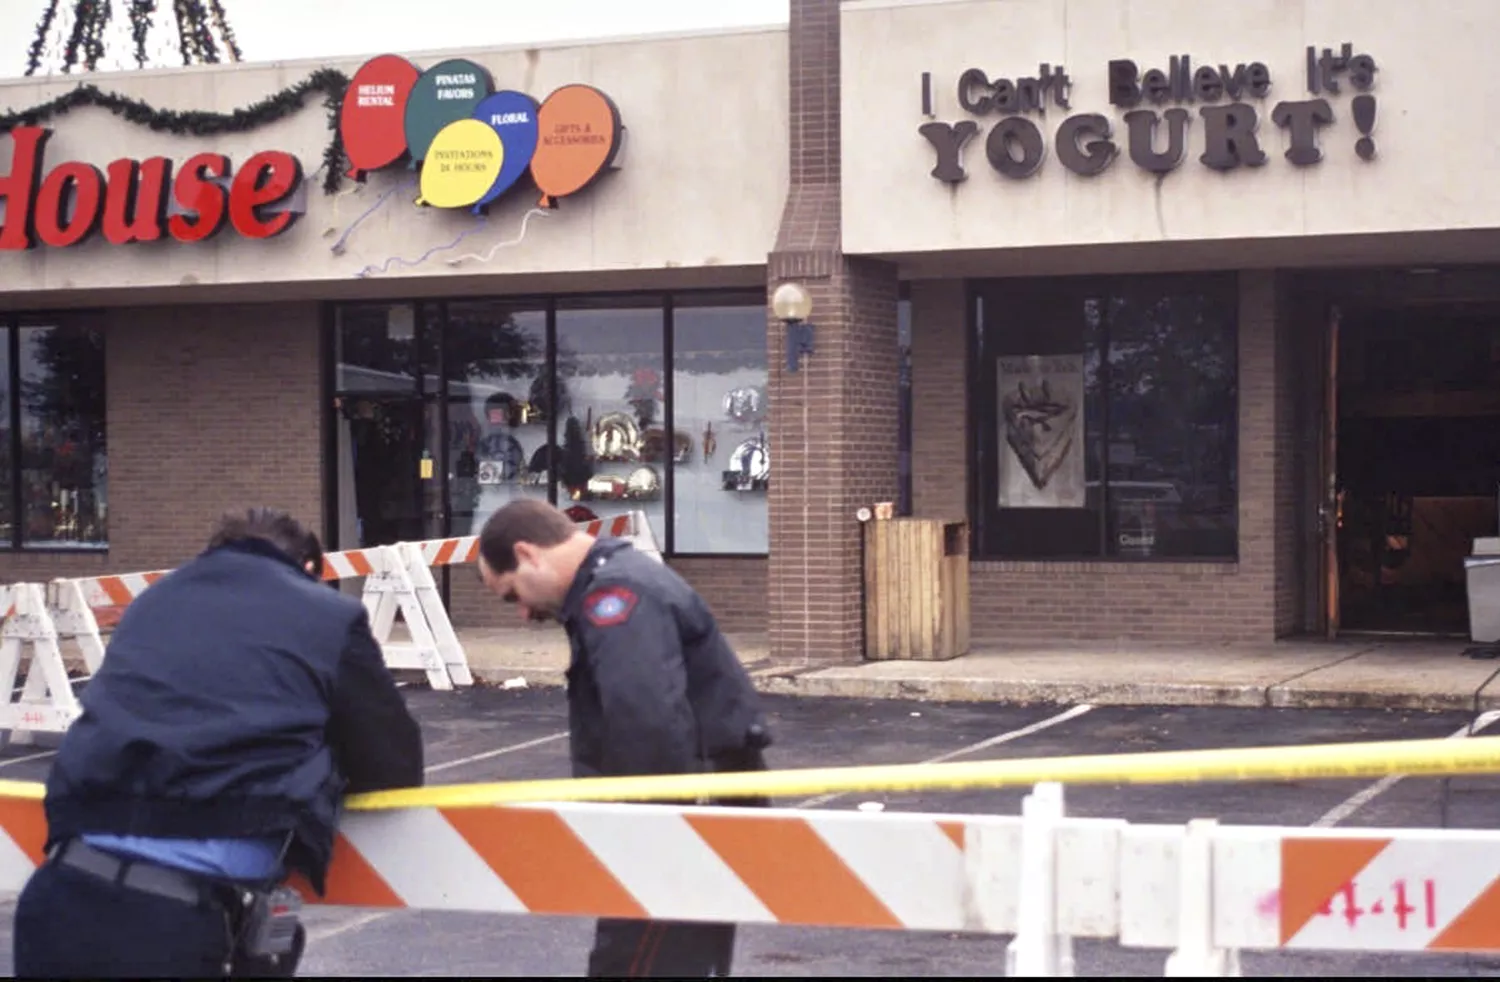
x: 445, y: 93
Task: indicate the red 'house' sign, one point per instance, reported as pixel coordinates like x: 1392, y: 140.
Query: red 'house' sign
x: 128, y: 201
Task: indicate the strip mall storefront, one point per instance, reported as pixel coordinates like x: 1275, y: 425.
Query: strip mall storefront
x: 1207, y: 285
x: 204, y: 320
x: 1079, y: 289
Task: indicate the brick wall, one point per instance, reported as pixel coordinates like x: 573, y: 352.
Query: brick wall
x: 833, y: 450
x: 833, y: 423
x: 1035, y: 602
x: 940, y: 446
x: 209, y: 408
x: 734, y: 588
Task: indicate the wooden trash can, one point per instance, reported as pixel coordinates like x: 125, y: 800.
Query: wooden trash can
x: 916, y: 589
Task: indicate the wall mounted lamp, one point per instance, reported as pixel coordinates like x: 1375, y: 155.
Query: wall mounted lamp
x: 792, y: 306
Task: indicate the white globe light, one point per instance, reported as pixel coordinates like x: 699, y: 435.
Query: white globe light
x: 790, y: 302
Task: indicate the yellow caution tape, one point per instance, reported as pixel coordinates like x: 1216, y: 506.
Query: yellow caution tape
x: 22, y: 789
x: 1416, y: 758
x: 1479, y: 755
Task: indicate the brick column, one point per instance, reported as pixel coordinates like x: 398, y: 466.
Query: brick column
x: 833, y: 422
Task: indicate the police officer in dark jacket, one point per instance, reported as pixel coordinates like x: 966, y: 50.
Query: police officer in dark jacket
x: 653, y: 688
x: 238, y: 701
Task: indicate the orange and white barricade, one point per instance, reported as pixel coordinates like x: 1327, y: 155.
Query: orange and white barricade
x: 394, y: 584
x: 1202, y: 891
x: 634, y: 527
x: 398, y: 580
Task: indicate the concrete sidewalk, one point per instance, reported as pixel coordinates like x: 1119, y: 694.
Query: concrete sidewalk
x: 1350, y: 673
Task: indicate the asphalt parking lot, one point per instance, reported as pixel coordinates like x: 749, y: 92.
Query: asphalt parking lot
x: 487, y: 734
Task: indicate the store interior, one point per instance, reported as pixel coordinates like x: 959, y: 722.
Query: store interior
x: 1418, y: 462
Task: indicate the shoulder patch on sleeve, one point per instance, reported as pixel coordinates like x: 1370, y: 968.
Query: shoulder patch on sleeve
x: 609, y: 606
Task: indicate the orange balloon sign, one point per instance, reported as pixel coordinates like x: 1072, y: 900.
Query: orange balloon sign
x: 579, y: 135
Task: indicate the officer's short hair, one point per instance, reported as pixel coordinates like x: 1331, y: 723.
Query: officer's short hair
x: 276, y: 527
x: 523, y: 520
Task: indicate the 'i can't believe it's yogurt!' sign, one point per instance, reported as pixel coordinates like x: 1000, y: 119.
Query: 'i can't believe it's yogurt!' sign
x: 1156, y: 139
x: 471, y: 142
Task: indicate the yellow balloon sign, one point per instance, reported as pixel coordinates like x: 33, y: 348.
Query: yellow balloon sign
x: 461, y: 165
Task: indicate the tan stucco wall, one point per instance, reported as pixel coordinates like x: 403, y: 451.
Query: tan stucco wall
x: 1435, y: 160
x: 702, y: 182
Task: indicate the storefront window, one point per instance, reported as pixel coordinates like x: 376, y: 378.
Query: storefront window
x: 499, y: 408
x: 446, y: 410
x: 57, y: 382
x: 377, y: 349
x: 611, y: 410
x: 721, y: 461
x: 1107, y: 418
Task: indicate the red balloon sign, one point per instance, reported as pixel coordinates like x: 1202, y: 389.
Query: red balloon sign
x: 372, y: 119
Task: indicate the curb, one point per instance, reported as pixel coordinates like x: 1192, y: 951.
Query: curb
x: 1021, y: 692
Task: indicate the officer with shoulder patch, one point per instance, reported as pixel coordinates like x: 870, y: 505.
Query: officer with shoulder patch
x: 653, y: 688
x: 240, y: 698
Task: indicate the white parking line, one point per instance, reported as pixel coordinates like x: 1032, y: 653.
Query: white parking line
x: 22, y: 760
x: 333, y: 930
x: 972, y: 748
x: 1364, y: 796
x: 496, y: 753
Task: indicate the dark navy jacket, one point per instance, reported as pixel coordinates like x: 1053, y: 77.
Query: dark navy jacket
x: 238, y: 697
x: 653, y: 686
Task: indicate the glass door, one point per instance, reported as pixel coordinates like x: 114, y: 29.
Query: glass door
x: 388, y: 421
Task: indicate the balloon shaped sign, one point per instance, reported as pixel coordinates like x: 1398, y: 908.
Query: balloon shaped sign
x: 513, y: 116
x: 445, y: 93
x: 372, y: 119
x: 462, y: 163
x: 579, y: 137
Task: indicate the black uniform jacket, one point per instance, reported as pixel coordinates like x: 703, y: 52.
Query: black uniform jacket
x: 653, y: 686
x: 238, y: 697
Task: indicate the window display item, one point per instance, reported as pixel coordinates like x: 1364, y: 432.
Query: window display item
x: 501, y: 459
x: 710, y: 444
x: 644, y: 483
x: 1041, y: 462
x: 575, y: 468
x: 581, y: 513
x: 745, y: 405
x: 653, y: 446
x: 749, y: 466
x: 539, y: 400
x: 643, y: 395
x: 607, y: 487
x: 502, y: 409
x: 617, y: 438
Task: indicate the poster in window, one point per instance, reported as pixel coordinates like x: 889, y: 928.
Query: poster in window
x: 1041, y: 431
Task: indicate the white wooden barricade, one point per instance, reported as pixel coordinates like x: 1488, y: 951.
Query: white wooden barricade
x: 45, y: 702
x: 398, y: 582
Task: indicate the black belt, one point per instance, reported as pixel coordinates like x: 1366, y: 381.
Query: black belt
x: 141, y: 875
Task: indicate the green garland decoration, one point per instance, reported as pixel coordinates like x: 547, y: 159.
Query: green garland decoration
x: 332, y: 83
x: 39, y: 42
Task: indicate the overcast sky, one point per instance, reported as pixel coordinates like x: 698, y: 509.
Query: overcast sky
x: 268, y: 30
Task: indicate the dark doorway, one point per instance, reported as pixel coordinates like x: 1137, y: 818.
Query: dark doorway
x: 1418, y: 463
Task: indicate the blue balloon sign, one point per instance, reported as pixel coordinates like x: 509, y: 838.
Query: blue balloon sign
x: 512, y: 115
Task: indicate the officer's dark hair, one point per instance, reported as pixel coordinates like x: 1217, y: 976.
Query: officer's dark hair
x: 523, y: 520
x: 276, y: 527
